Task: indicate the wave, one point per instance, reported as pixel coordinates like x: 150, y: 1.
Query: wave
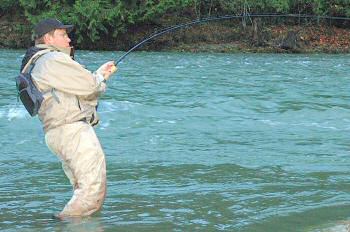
x: 327, y: 125
x: 12, y: 112
x: 17, y: 111
x: 114, y: 106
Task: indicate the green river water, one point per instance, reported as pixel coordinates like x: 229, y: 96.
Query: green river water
x: 194, y: 142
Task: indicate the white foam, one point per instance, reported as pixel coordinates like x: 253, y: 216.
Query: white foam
x: 269, y: 122
x: 16, y: 112
x: 110, y: 106
x: 12, y: 112
x: 168, y: 121
x: 22, y: 141
x: 319, y: 125
x: 179, y: 67
x: 154, y: 140
x: 144, y: 215
x: 200, y: 221
x: 103, y: 126
x: 337, y: 228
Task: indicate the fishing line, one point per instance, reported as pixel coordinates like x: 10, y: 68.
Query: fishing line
x: 210, y: 19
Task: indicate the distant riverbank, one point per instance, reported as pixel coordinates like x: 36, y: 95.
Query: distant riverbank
x: 279, y: 39
x: 227, y: 37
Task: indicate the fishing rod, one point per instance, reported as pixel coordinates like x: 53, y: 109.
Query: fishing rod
x: 173, y: 28
x: 225, y: 17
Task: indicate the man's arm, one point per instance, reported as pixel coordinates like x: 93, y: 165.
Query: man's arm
x: 59, y: 71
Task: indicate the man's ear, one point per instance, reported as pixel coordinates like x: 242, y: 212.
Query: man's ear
x: 47, y: 38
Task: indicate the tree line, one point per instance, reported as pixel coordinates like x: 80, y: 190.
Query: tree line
x: 96, y: 18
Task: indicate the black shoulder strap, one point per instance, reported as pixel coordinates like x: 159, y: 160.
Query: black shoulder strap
x: 35, y: 58
x: 29, y: 54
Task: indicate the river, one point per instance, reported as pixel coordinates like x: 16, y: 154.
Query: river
x: 194, y: 142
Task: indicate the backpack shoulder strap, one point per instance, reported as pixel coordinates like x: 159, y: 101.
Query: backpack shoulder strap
x: 30, y: 65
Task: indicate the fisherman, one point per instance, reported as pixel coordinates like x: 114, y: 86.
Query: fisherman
x: 68, y: 114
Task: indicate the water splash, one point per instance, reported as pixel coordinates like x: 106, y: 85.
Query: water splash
x: 13, y: 112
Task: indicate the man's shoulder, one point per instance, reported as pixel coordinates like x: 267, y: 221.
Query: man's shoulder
x: 53, y: 56
x: 55, y: 53
x: 29, y: 54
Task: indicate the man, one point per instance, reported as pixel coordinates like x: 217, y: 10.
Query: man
x: 68, y: 113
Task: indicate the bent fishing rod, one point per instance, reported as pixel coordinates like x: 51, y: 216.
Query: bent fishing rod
x: 210, y: 19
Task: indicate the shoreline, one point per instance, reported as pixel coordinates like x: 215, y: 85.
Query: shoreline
x: 221, y: 38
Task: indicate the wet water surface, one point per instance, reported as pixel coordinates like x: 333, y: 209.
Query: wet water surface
x: 194, y: 142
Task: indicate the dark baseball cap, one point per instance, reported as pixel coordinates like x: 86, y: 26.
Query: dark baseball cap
x: 48, y: 25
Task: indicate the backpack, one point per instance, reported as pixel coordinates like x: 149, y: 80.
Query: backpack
x: 27, y: 92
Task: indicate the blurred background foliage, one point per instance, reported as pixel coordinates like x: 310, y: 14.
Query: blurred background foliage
x: 100, y: 18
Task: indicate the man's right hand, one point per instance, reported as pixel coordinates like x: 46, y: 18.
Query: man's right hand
x: 107, y: 69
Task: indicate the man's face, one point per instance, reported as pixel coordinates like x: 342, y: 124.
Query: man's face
x: 58, y: 39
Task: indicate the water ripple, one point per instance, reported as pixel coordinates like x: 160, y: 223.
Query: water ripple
x: 194, y: 142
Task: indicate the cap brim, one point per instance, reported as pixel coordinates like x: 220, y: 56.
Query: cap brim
x: 69, y: 28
